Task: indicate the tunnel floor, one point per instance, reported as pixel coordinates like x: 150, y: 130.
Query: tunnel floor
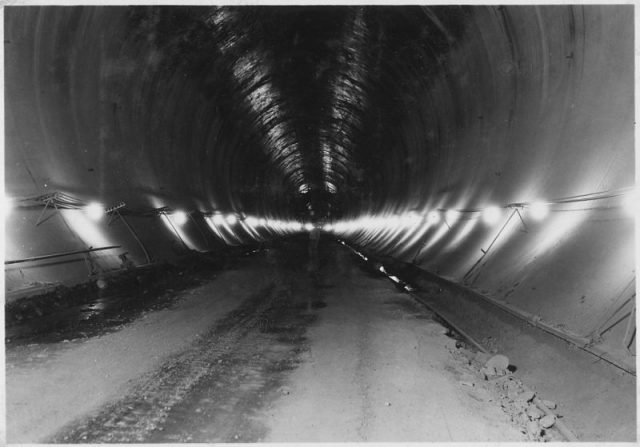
x: 261, y: 352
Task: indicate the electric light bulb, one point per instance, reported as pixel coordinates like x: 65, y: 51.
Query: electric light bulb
x: 451, y: 216
x: 433, y: 217
x: 217, y: 219
x: 179, y: 217
x: 411, y: 219
x: 7, y: 206
x: 231, y: 219
x: 630, y: 204
x: 94, y: 210
x: 491, y: 214
x: 538, y: 210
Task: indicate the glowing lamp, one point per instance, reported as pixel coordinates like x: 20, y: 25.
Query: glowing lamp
x: 179, y: 217
x: 7, y: 206
x: 412, y: 218
x: 308, y: 226
x: 433, y: 217
x: 94, y: 210
x: 538, y: 210
x: 630, y: 204
x: 231, y: 219
x: 451, y: 216
x: 217, y: 219
x: 491, y: 214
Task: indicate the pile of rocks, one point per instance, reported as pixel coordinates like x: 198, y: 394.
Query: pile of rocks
x: 493, y: 380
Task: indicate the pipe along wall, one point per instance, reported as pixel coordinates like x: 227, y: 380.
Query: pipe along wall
x: 492, y: 146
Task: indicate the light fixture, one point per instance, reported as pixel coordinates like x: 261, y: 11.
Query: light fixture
x: 411, y: 219
x: 308, y: 226
x: 262, y: 222
x: 179, y: 217
x: 231, y: 219
x: 7, y: 206
x: 433, y: 217
x: 327, y: 227
x: 217, y: 219
x: 538, y: 210
x: 630, y: 203
x: 251, y: 221
x: 491, y: 214
x: 94, y: 210
x: 451, y: 216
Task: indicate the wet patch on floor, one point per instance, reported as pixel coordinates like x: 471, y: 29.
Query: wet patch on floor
x: 87, y: 310
x: 212, y: 391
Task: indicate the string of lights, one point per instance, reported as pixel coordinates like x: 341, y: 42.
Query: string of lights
x: 96, y: 211
x: 490, y: 214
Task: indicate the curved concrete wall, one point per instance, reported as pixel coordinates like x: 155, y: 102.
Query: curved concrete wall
x: 458, y: 108
x: 542, y: 109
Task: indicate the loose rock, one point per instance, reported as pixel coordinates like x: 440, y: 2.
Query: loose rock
x: 548, y: 421
x: 481, y: 394
x: 486, y: 373
x: 527, y: 396
x: 497, y: 365
x: 533, y: 428
x: 549, y: 404
x: 534, y: 412
x: 482, y: 357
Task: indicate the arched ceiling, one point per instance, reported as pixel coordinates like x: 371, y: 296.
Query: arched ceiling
x: 348, y: 110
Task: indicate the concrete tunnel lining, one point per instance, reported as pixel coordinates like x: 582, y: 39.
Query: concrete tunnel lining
x: 393, y: 128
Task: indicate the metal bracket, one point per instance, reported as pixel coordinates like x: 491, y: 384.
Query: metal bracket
x: 526, y: 230
x: 48, y: 201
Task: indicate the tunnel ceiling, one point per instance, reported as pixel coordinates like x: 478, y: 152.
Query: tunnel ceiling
x: 279, y: 110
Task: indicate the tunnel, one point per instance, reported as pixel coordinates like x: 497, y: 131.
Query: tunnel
x: 314, y: 223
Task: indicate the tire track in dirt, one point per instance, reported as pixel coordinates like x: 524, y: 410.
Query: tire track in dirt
x: 208, y: 392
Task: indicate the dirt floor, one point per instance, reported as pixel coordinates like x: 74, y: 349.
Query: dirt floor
x: 264, y: 352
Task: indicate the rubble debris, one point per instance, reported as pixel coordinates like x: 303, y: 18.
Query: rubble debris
x: 497, y: 365
x: 548, y: 421
x: 549, y: 404
x: 481, y: 394
x: 534, y: 413
x: 527, y: 396
x: 482, y: 357
x: 533, y: 430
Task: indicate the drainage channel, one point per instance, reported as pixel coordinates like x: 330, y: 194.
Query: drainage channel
x: 413, y: 291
